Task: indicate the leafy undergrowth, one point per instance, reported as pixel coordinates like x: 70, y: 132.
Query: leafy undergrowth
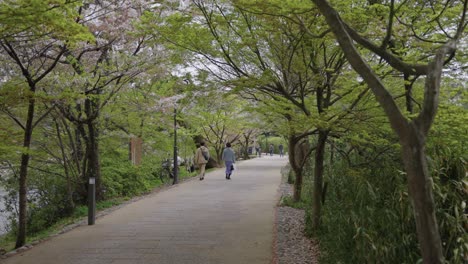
x: 7, y: 241
x: 289, y: 201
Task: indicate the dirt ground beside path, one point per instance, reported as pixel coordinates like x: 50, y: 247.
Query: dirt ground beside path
x: 291, y: 245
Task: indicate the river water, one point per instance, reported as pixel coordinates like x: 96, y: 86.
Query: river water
x: 3, y: 218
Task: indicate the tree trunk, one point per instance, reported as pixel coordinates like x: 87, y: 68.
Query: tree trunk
x: 92, y: 144
x: 94, y: 168
x: 82, y: 158
x: 297, y: 156
x: 420, y: 189
x: 65, y: 166
x: 298, y: 185
x: 78, y: 153
x: 408, y: 93
x: 216, y: 159
x: 246, y: 147
x: 219, y: 156
x: 290, y: 177
x: 318, y: 178
x: 411, y: 134
x: 23, y: 186
x: 292, y: 143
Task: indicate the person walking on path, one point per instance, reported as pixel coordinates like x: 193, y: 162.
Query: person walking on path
x: 202, y: 155
x: 281, y: 149
x: 229, y: 158
x: 271, y: 149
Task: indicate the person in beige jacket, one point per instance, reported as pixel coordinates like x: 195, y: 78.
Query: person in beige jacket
x: 202, y: 155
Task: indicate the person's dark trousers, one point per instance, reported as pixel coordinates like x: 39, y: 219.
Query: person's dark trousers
x: 228, y: 169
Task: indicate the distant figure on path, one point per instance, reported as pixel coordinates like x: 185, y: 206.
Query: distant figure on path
x: 229, y: 158
x: 271, y: 149
x: 202, y: 155
x: 281, y: 149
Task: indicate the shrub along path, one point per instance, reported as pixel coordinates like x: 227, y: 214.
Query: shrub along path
x: 209, y: 221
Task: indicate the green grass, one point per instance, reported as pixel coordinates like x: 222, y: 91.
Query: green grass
x: 289, y: 201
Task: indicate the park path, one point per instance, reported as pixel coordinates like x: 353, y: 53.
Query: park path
x: 198, y: 222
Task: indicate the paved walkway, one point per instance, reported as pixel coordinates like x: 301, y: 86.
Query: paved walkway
x: 198, y: 222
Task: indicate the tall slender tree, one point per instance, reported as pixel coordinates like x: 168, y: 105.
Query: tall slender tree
x: 48, y: 28
x: 98, y: 71
x: 412, y: 133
